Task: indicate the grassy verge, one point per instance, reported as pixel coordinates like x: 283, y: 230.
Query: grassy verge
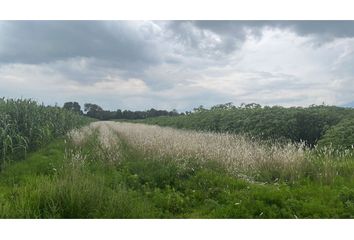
x: 62, y: 181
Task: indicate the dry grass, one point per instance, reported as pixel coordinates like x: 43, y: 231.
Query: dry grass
x: 107, y: 147
x: 106, y: 136
x: 79, y: 136
x: 236, y: 153
x: 239, y: 155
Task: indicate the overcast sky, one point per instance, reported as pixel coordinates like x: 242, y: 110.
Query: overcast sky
x: 178, y: 64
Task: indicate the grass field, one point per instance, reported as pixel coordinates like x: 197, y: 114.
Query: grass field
x: 126, y: 170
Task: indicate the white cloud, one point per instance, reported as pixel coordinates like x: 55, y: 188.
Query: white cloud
x: 46, y: 82
x: 182, y: 66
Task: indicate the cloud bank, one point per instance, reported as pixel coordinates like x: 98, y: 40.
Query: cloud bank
x: 178, y: 64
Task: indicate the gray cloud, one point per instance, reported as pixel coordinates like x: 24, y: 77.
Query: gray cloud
x: 329, y: 29
x: 36, y: 42
x: 321, y: 31
x: 303, y: 27
x: 204, y: 38
x: 120, y: 43
x: 181, y: 64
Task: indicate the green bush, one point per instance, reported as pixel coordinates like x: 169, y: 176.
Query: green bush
x: 340, y: 135
x: 268, y: 123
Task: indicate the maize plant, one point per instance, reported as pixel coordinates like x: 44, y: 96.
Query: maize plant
x: 26, y: 125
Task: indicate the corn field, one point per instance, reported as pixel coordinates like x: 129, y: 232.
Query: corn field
x: 26, y: 125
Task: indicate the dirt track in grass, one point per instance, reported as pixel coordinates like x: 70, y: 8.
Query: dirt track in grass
x: 236, y: 153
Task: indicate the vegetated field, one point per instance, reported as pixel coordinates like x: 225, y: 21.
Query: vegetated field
x: 25, y: 125
x: 315, y: 125
x: 128, y: 170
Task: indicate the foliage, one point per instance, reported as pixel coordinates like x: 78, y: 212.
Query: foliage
x: 47, y: 185
x: 97, y: 112
x: 54, y: 183
x: 90, y: 176
x: 93, y: 110
x: 340, y: 135
x: 73, y: 106
x: 269, y: 123
x: 25, y: 125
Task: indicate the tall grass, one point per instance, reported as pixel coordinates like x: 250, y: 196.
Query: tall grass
x: 236, y: 153
x: 239, y: 155
x: 114, y: 170
x: 26, y: 125
x: 176, y: 169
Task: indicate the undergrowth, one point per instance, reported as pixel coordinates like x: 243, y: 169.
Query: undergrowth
x: 67, y: 181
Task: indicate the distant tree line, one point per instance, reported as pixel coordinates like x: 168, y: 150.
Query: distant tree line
x: 95, y: 111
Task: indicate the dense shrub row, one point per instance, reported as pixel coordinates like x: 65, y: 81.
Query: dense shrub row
x: 296, y: 123
x: 340, y: 135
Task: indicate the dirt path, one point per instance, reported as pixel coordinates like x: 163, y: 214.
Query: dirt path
x: 104, y: 129
x: 107, y: 136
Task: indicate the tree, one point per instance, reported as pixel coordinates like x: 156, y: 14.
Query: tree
x: 253, y: 105
x: 224, y: 106
x: 119, y: 114
x: 199, y: 109
x: 73, y: 106
x: 93, y: 110
x: 174, y: 112
x: 92, y: 107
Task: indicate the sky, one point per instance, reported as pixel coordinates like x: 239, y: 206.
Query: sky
x: 180, y: 65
